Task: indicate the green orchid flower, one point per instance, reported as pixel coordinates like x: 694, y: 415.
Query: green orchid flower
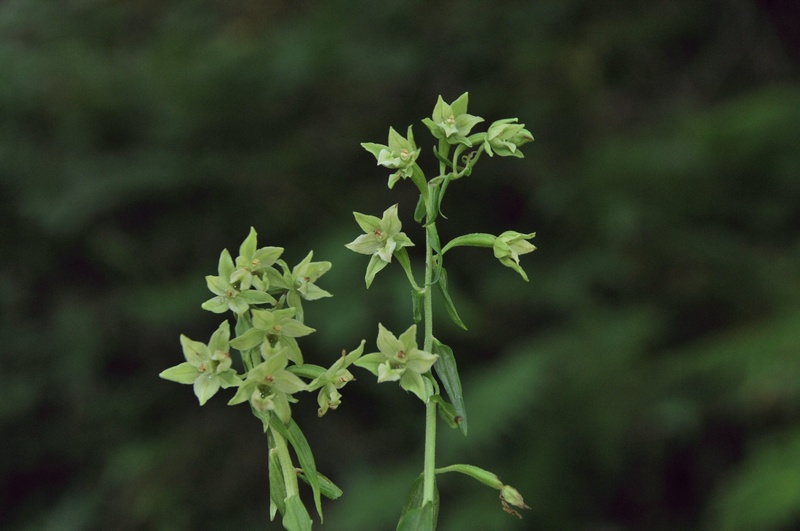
x: 336, y: 377
x: 252, y: 263
x: 207, y: 366
x: 401, y: 154
x: 509, y: 245
x: 505, y: 136
x: 228, y: 295
x: 300, y: 282
x: 451, y: 122
x: 382, y: 239
x: 400, y: 360
x: 269, y: 387
x: 273, y: 330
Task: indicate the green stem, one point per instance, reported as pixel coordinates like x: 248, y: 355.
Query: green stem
x: 429, y: 470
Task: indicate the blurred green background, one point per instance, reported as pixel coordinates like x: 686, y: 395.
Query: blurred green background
x: 648, y: 377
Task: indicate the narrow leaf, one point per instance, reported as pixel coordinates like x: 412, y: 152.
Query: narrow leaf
x: 447, y: 412
x: 419, y: 212
x: 441, y: 158
x: 417, y: 300
x: 418, y: 519
x: 434, y: 238
x: 448, y: 302
x: 440, y: 195
x: 305, y: 458
x: 413, y: 507
x: 447, y: 371
x: 296, y: 517
x: 277, y: 488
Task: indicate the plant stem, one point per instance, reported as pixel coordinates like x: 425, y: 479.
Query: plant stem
x: 429, y: 470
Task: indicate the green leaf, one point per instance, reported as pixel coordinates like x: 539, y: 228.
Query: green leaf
x: 421, y: 519
x: 277, y: 487
x: 447, y: 371
x: 417, y: 299
x: 305, y: 458
x: 433, y: 206
x: 420, y: 211
x: 447, y: 412
x: 448, y: 302
x: 296, y: 517
x: 414, y: 514
x: 433, y: 234
x: 440, y: 195
x: 441, y: 158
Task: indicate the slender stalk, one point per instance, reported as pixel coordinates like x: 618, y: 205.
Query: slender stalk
x: 429, y: 470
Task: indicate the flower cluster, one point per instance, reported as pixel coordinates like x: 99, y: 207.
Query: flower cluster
x: 265, y: 296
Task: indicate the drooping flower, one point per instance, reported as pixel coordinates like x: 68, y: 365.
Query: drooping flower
x: 336, y: 377
x: 505, y: 136
x: 401, y: 154
x: 381, y: 239
x: 509, y: 245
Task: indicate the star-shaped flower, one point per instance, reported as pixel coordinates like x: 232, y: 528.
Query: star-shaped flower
x: 399, y: 359
x: 207, y: 367
x: 228, y: 295
x: 252, y: 262
x: 300, y: 282
x: 273, y: 329
x: 451, y: 122
x: 269, y: 387
x: 381, y: 239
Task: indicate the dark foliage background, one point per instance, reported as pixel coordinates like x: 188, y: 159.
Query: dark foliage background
x: 648, y: 377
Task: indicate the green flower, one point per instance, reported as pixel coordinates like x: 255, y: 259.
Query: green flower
x: 381, y: 239
x: 269, y: 387
x: 207, y: 367
x: 252, y: 263
x: 228, y: 295
x: 509, y: 245
x: 399, y: 359
x: 299, y: 283
x: 336, y: 377
x: 451, y: 122
x: 273, y: 329
x: 400, y: 154
x: 505, y: 136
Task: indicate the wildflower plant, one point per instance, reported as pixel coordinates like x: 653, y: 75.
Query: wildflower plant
x: 265, y: 297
